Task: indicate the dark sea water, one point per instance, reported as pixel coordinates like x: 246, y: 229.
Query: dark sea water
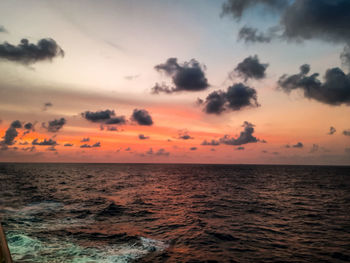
x: 175, y: 213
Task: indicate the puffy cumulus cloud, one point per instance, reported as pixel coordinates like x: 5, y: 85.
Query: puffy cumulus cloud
x: 346, y: 132
x: 10, y: 136
x: 68, y: 145
x: 87, y: 139
x: 210, y: 143
x: 335, y: 89
x: 193, y: 148
x: 27, y: 53
x: 16, y: 124
x: 45, y: 142
x: 103, y: 116
x: 143, y: 137
x: 142, y: 117
x: 188, y: 76
x: 332, y: 130
x: 54, y: 125
x: 251, y: 68
x: 236, y: 8
x: 246, y: 136
x: 236, y: 97
x: 95, y: 145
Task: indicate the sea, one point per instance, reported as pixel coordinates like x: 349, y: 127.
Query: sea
x: 194, y: 213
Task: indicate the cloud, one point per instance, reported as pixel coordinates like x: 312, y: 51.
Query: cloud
x: 240, y: 148
x: 68, y: 145
x: 29, y: 126
x: 298, y: 145
x: 16, y: 124
x: 251, y: 34
x: 3, y: 29
x: 143, y: 137
x: 26, y: 53
x: 45, y: 142
x: 246, y: 136
x: 87, y: 139
x: 51, y: 148
x: 211, y: 143
x: 142, y: 117
x: 112, y: 128
x: 95, y: 145
x: 189, y: 76
x: 131, y: 77
x: 10, y: 136
x: 47, y: 105
x: 332, y: 130
x: 335, y: 90
x: 54, y: 125
x: 183, y: 135
x: 128, y: 149
x: 236, y: 8
x: 103, y: 116
x: 346, y: 132
x: 162, y: 152
x: 193, y: 148
x: 251, y: 68
x: 236, y: 97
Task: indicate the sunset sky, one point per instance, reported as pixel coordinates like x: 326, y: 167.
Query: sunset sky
x: 199, y: 81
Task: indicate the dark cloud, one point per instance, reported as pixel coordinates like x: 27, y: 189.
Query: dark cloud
x: 193, y: 148
x: 45, y: 142
x: 189, y: 76
x: 298, y: 145
x: 183, y: 135
x: 143, y: 137
x: 87, y: 139
x: 112, y: 128
x: 346, y: 132
x: 240, y: 148
x: 29, y: 126
x: 47, y: 105
x: 10, y: 136
x: 332, y: 130
x: 16, y: 124
x: 97, y: 144
x: 68, y: 145
x: 26, y: 53
x: 335, y: 90
x: 236, y: 8
x: 211, y: 143
x: 54, y: 125
x: 251, y: 68
x: 103, y: 116
x: 235, y: 98
x: 3, y: 29
x: 246, y: 136
x: 142, y: 117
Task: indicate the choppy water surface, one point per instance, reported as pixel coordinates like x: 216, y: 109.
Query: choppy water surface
x: 175, y: 213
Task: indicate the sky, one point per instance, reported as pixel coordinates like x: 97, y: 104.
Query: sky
x: 175, y: 81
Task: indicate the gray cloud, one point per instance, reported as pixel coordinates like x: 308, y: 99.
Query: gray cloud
x: 3, y: 29
x: 95, y: 145
x: 332, y: 130
x: 87, y: 139
x: 298, y: 145
x: 143, y: 137
x: 335, y: 90
x: 54, y: 125
x: 29, y: 126
x: 68, y: 145
x: 252, y: 35
x: 103, y: 116
x: 240, y: 148
x: 346, y: 132
x: 183, y: 135
x: 160, y: 152
x: 16, y: 124
x: 246, y: 136
x: 193, y: 148
x: 142, y: 117
x: 251, y: 68
x: 211, y: 143
x: 10, y: 136
x: 26, y: 53
x: 45, y: 142
x: 189, y: 76
x: 235, y: 98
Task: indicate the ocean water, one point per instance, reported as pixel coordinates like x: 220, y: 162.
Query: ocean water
x: 175, y: 213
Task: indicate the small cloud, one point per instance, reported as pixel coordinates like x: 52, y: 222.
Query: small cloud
x: 240, y: 148
x: 47, y: 105
x: 68, y: 145
x: 3, y: 29
x: 131, y: 77
x: 45, y: 142
x: 332, y: 130
x: 246, y: 136
x: 298, y: 145
x: 128, y: 149
x: 142, y: 117
x: 183, y: 135
x: 54, y: 125
x: 212, y: 143
x: 97, y: 144
x: 193, y: 148
x: 346, y: 132
x: 143, y: 137
x: 251, y: 68
x: 87, y: 139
